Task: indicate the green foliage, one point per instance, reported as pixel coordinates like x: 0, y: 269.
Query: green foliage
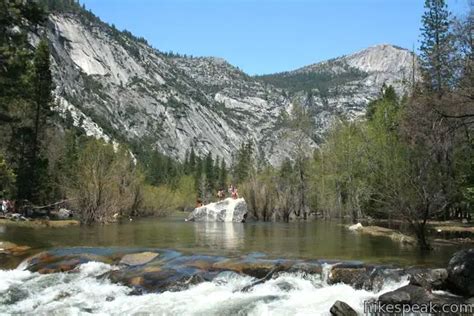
x: 244, y: 163
x: 321, y: 80
x: 7, y: 179
x: 436, y: 46
x: 106, y: 182
x: 158, y: 201
x: 63, y: 6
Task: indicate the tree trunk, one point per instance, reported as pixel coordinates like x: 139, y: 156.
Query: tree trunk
x: 420, y: 231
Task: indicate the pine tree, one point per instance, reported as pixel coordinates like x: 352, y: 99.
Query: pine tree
x: 244, y: 162
x: 222, y: 182
x: 192, y: 160
x: 32, y: 168
x: 436, y: 46
x: 209, y: 172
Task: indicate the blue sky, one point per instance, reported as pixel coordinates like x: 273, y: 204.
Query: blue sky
x: 267, y: 36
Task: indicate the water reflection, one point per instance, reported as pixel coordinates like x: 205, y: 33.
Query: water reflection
x: 310, y: 240
x: 216, y: 235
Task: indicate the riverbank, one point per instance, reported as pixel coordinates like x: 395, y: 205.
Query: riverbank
x: 39, y: 223
x: 440, y: 233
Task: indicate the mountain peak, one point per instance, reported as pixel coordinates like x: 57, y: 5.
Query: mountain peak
x: 381, y: 58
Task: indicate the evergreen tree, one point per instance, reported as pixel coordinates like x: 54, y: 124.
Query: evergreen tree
x: 209, y: 172
x: 186, y: 168
x: 436, y: 46
x: 32, y: 170
x: 192, y: 160
x: 222, y: 182
x: 244, y: 162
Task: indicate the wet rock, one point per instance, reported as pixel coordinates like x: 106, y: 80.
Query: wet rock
x: 355, y: 227
x: 285, y: 286
x: 461, y: 273
x: 340, y: 308
x: 267, y: 277
x: 228, y: 210
x: 430, y: 279
x: 306, y: 267
x: 9, y: 248
x: 405, y: 295
x: 137, y: 259
x: 357, y: 277
x: 47, y: 263
x: 411, y: 294
x: 254, y: 267
x: 381, y: 275
x: 156, y: 282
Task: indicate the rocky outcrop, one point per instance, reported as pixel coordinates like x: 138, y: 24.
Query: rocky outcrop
x: 228, y: 210
x: 342, y: 309
x: 461, y: 273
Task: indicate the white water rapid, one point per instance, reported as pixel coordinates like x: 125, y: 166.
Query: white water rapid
x: 83, y: 292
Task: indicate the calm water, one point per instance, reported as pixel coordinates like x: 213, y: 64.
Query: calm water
x: 314, y: 240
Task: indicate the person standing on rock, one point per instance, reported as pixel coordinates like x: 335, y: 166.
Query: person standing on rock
x: 220, y: 195
x: 5, y: 206
x: 235, y: 194
x: 198, y: 203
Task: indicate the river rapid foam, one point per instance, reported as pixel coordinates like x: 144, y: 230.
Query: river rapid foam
x: 85, y: 291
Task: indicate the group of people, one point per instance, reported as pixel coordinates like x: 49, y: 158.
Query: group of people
x: 221, y: 195
x: 6, y: 206
x: 234, y: 193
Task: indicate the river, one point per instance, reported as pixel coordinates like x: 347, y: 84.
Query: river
x: 83, y: 292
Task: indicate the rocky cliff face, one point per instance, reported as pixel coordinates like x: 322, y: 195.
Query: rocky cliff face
x: 342, y: 87
x: 117, y: 87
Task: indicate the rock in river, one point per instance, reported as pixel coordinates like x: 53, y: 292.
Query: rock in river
x: 461, y: 273
x: 138, y: 259
x: 342, y: 309
x: 228, y: 210
x: 430, y: 279
x: 9, y: 248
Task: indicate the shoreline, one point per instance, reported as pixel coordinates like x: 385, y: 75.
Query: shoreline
x: 40, y: 223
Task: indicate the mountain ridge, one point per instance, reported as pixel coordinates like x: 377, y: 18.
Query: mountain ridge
x: 116, y: 86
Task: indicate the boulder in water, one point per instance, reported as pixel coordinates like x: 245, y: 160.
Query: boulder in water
x: 9, y: 248
x: 411, y: 294
x: 138, y: 259
x: 228, y: 210
x: 430, y: 279
x: 461, y: 273
x: 356, y: 226
x: 340, y: 308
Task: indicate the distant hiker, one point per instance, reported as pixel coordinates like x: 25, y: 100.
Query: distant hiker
x: 231, y: 189
x: 235, y: 194
x: 4, y: 207
x: 221, y: 194
x: 198, y: 203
